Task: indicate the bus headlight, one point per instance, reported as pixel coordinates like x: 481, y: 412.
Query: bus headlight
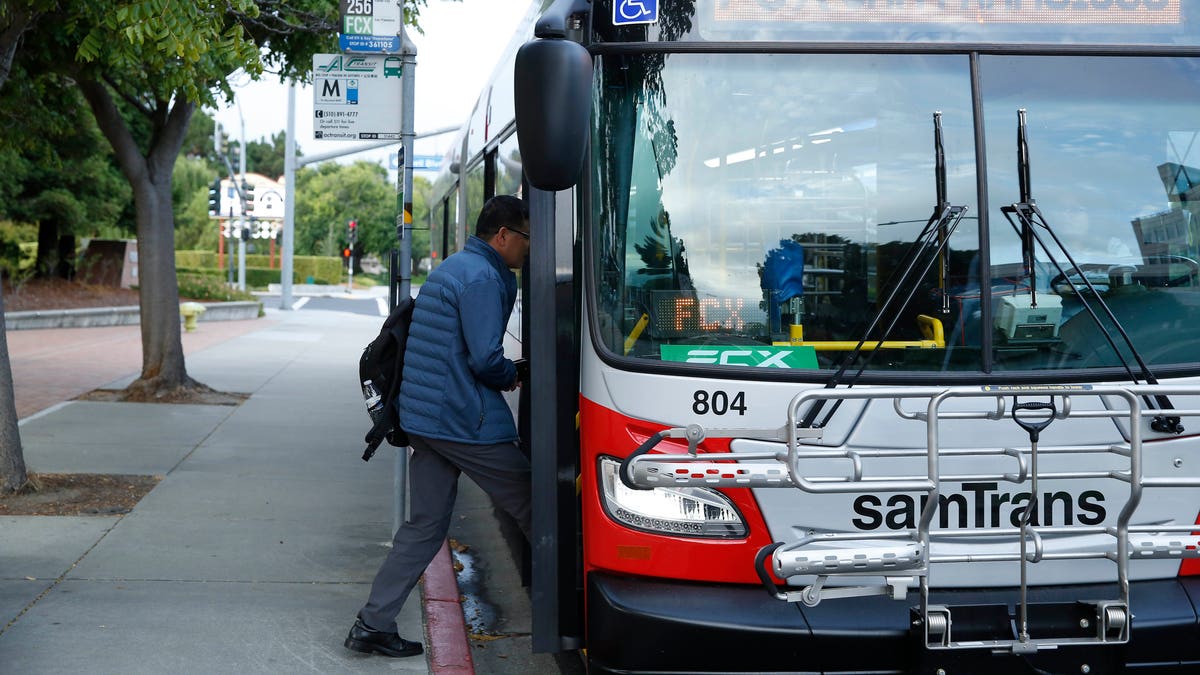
x: 679, y: 511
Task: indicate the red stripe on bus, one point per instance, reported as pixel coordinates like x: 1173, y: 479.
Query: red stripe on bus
x: 1191, y: 566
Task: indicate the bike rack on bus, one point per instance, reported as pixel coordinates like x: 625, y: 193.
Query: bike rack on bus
x: 901, y: 558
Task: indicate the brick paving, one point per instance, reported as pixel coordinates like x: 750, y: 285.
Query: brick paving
x: 53, y: 365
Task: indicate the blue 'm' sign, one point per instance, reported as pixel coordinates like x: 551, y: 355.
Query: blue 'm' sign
x: 634, y: 11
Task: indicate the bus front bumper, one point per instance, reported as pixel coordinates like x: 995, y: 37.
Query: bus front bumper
x: 637, y: 625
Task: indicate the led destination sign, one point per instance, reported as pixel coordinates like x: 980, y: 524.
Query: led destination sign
x: 952, y: 11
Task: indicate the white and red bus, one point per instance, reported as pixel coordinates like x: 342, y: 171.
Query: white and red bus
x: 865, y: 334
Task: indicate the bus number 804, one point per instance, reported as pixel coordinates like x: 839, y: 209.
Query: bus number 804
x: 718, y: 402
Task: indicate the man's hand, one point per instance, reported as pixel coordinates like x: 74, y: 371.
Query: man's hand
x: 522, y: 367
x: 522, y: 371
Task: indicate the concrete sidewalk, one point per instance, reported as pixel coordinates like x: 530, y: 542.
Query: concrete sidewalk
x: 260, y: 543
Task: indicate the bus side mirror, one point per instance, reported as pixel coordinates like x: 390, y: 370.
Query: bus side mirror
x: 553, y: 88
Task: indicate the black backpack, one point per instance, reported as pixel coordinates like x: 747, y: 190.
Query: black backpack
x: 382, y: 362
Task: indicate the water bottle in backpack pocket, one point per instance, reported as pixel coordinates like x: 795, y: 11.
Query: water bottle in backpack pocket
x: 374, y: 402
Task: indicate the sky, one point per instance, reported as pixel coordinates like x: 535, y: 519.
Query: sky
x: 455, y: 57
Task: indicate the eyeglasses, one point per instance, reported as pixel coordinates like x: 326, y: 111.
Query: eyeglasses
x: 523, y: 234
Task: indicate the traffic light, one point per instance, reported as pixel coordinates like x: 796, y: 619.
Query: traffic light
x: 353, y: 232
x: 346, y: 253
x: 247, y: 198
x: 214, y: 198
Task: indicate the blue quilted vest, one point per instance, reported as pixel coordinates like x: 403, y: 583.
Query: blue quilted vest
x: 454, y: 365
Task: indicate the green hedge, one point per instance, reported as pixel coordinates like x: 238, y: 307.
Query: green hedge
x: 209, y: 287
x: 18, y: 248
x: 200, y: 271
x: 322, y: 269
x: 193, y: 260
x: 260, y: 277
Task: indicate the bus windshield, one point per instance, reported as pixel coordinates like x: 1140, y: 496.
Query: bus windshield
x: 758, y: 210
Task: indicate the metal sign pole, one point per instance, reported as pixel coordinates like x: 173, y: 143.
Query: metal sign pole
x: 404, y: 231
x: 408, y: 107
x: 289, y: 203
x: 241, y: 271
x: 232, y: 262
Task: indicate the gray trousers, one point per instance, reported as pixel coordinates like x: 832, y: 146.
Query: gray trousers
x: 433, y: 470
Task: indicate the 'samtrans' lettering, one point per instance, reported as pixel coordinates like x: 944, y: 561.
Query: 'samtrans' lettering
x: 980, y: 505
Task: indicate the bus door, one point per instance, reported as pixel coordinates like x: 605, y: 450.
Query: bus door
x: 552, y: 346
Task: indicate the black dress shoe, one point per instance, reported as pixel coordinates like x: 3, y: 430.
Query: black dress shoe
x: 368, y: 641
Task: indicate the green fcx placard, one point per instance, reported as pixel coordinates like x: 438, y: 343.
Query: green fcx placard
x: 753, y: 356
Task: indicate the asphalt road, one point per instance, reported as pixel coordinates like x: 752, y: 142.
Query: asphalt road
x: 355, y: 305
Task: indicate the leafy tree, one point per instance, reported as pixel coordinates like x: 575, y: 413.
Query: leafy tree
x: 151, y: 62
x: 266, y: 156
x: 330, y: 195
x: 195, y: 168
x: 189, y: 196
x: 148, y: 64
x: 16, y: 16
x: 68, y: 183
x: 198, y: 141
x: 14, y: 168
x: 422, y: 200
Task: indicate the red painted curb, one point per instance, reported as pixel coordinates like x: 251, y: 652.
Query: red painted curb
x: 446, y: 630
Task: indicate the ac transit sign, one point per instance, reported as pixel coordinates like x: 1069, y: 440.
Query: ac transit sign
x: 356, y: 97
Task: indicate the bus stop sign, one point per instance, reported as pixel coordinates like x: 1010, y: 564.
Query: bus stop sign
x: 356, y: 97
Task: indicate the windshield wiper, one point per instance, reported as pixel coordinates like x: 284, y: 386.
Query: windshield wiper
x: 1029, y: 219
x: 934, y: 236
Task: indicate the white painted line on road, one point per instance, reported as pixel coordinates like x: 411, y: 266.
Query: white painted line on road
x: 383, y: 308
x: 300, y: 303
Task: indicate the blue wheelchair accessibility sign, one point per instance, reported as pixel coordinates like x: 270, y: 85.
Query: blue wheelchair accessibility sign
x: 634, y: 11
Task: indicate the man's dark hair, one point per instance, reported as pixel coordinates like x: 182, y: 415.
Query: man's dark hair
x: 501, y: 211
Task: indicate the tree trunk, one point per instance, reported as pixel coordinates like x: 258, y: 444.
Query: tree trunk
x: 18, y: 20
x: 12, y: 459
x: 66, y: 257
x: 47, y: 250
x: 163, y: 369
x: 163, y: 373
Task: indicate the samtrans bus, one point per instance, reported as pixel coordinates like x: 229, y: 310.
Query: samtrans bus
x: 865, y: 334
